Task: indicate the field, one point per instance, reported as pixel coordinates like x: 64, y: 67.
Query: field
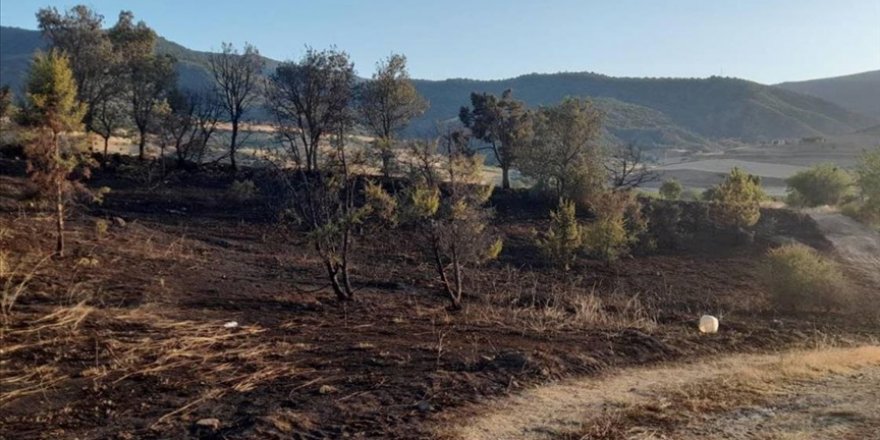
x: 773, y: 163
x: 182, y: 311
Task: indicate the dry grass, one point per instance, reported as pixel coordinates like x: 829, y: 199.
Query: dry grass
x: 531, y: 306
x: 219, y: 360
x: 744, y: 384
x: 649, y: 403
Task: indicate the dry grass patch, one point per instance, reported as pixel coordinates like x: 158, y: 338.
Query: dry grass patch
x: 192, y: 355
x: 653, y: 402
x: 744, y: 384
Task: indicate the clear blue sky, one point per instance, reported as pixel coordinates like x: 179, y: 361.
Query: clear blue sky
x: 763, y: 40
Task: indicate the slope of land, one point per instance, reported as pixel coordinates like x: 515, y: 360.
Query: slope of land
x: 859, y: 92
x: 189, y: 304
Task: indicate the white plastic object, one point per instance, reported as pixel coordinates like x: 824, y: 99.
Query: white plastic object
x: 708, y: 324
x: 231, y: 324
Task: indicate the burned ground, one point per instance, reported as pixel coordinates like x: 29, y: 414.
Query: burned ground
x: 128, y: 335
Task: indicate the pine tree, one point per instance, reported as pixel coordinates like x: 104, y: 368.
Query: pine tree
x: 564, y: 237
x: 54, y: 113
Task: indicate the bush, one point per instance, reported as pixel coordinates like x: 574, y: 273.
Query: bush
x: 242, y: 190
x: 824, y: 184
x: 735, y: 203
x: 799, y: 278
x: 671, y: 189
x: 664, y: 224
x: 564, y: 237
x: 619, y: 224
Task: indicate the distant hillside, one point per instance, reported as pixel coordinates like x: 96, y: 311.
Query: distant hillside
x: 696, y: 110
x: 859, y: 93
x: 663, y: 112
x: 18, y: 45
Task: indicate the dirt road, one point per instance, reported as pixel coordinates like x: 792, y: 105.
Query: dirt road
x: 823, y: 394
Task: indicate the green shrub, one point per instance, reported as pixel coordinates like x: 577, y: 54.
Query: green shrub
x: 242, y: 190
x: 736, y: 202
x: 799, y: 278
x: 564, y: 237
x: 824, y: 184
x: 101, y: 227
x: 619, y: 224
x: 664, y: 224
x: 671, y: 189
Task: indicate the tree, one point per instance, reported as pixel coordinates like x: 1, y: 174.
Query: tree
x: 147, y: 76
x: 627, y: 169
x: 237, y: 85
x: 309, y: 99
x: 504, y: 124
x: 564, y: 238
x: 109, y: 117
x: 617, y: 227
x: 386, y: 103
x: 671, y: 189
x: 564, y: 154
x: 187, y: 124
x: 823, y: 184
x: 53, y: 110
x: 326, y: 206
x: 78, y: 33
x: 868, y: 181
x: 736, y: 201
x: 446, y: 203
x: 868, y: 174
x: 5, y: 102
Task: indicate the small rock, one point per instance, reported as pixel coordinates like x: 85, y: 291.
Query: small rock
x: 231, y: 324
x: 209, y: 423
x: 327, y: 389
x: 119, y: 222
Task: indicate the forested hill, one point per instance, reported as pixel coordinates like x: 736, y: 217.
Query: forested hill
x: 654, y: 112
x: 859, y: 93
x: 713, y: 108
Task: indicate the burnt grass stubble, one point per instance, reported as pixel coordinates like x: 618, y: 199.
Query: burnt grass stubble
x: 391, y: 364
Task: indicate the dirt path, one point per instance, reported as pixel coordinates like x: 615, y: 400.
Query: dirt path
x: 841, y: 406
x: 833, y: 391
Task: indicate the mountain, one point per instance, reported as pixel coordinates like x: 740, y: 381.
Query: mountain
x: 18, y: 45
x: 859, y: 93
x: 654, y: 112
x: 666, y: 110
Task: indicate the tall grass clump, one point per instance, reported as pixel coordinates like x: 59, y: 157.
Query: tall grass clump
x: 799, y: 278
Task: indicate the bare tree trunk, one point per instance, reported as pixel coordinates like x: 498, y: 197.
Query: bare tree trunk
x: 349, y: 292
x: 232, y: 144
x: 456, y: 265
x: 142, y: 143
x: 59, y: 220
x: 333, y: 274
x: 106, y: 145
x: 442, y: 272
x: 505, y: 176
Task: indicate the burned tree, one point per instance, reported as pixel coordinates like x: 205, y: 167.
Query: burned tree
x: 627, y: 169
x: 187, y: 123
x: 386, y: 104
x: 445, y: 201
x: 308, y: 99
x: 147, y: 76
x: 237, y: 85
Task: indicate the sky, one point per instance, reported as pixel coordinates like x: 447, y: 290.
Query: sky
x: 768, y: 41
